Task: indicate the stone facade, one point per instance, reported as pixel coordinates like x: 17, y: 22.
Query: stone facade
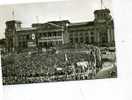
x: 99, y: 32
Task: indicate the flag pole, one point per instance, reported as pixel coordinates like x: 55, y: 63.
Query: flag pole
x: 13, y: 14
x: 101, y: 4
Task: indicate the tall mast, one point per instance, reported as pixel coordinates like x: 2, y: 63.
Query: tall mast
x: 13, y: 14
x: 101, y: 4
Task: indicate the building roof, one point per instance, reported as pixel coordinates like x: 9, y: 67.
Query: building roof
x: 102, y: 10
x: 66, y: 21
x: 14, y: 21
x: 37, y: 24
x: 50, y: 25
x: 49, y: 22
x: 26, y: 29
x: 91, y: 23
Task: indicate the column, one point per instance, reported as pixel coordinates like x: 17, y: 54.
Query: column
x: 108, y: 35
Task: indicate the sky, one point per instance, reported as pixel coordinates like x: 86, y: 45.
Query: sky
x: 72, y: 10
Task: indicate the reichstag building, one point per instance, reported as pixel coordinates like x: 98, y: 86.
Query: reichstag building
x: 98, y: 32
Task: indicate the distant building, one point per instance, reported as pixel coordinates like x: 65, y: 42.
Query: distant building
x: 44, y: 35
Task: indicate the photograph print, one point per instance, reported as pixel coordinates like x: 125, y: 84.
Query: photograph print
x: 68, y: 40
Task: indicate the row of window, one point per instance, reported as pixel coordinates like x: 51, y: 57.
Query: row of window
x: 102, y: 15
x: 82, y: 40
x: 23, y: 44
x: 50, y: 34
x: 81, y: 34
x: 103, y: 37
x: 24, y: 37
x: 49, y: 44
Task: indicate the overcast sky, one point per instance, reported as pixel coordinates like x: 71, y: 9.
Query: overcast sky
x: 72, y: 10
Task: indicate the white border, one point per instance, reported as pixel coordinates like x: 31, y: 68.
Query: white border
x: 105, y: 89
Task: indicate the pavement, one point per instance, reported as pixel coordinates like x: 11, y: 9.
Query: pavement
x: 108, y: 71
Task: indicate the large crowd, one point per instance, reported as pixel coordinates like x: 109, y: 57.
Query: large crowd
x: 67, y: 64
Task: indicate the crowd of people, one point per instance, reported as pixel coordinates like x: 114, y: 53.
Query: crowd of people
x: 44, y: 67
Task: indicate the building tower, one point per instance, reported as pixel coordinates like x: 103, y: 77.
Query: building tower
x: 10, y: 31
x: 104, y: 25
x: 102, y: 15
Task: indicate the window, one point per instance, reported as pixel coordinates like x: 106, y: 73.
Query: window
x: 21, y: 37
x: 59, y: 34
x: 19, y: 44
x: 24, y: 44
x: 104, y: 37
x: 81, y: 39
x: 80, y: 34
x: 40, y: 44
x: 92, y: 39
x: 76, y: 40
x: 56, y: 42
x: 40, y: 34
x: 86, y: 34
x: 60, y: 42
x: 27, y: 37
x: 71, y: 35
x: 71, y: 40
x: 49, y: 34
x: 92, y: 33
x: 45, y: 34
x: 45, y: 44
x: 55, y: 34
x: 87, y: 40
